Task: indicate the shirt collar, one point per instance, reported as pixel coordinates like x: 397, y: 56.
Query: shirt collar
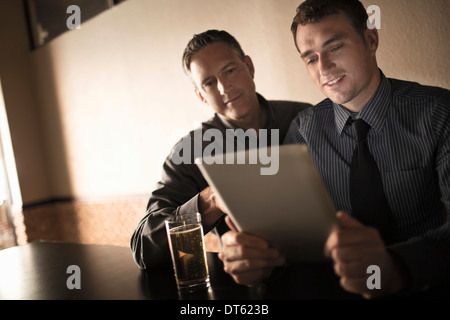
x: 374, y: 113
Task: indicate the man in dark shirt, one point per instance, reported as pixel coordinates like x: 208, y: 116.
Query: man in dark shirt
x: 223, y: 78
x: 409, y: 138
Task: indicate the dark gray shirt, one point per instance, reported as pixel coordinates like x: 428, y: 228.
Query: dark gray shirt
x: 410, y: 141
x: 177, y: 191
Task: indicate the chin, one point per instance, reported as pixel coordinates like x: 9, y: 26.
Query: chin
x: 239, y: 114
x: 338, y: 99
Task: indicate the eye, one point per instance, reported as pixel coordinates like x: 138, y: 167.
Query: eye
x: 229, y: 71
x: 208, y: 84
x: 336, y: 48
x: 311, y: 61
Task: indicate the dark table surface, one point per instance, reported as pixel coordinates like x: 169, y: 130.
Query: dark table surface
x: 38, y: 271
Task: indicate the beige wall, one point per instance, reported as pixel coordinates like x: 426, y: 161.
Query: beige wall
x: 22, y: 110
x: 94, y: 113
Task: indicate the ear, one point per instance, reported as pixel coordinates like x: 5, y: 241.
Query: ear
x: 249, y: 63
x: 200, y: 96
x: 372, y: 39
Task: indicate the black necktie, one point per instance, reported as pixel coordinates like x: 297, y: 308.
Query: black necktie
x: 369, y: 204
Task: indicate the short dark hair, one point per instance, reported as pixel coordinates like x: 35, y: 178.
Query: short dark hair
x: 199, y: 41
x: 313, y: 11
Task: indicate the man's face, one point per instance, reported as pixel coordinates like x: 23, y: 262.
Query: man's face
x: 338, y: 60
x: 225, y: 82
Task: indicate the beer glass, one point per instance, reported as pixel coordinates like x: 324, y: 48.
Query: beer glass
x: 187, y: 248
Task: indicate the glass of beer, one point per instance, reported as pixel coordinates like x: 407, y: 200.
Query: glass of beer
x: 187, y: 247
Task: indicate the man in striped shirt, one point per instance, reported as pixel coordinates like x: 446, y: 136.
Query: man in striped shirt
x: 409, y: 140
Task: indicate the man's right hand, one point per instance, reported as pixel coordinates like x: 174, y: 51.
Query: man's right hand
x: 210, y: 207
x: 248, y: 259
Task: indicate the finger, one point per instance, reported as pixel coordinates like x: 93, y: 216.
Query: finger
x: 347, y: 254
x: 231, y: 253
x: 233, y: 238
x: 345, y: 221
x: 351, y: 269
x: 363, y: 236
x: 220, y: 204
x: 230, y: 224
x: 248, y: 265
x: 329, y: 245
x: 354, y: 285
x: 253, y: 277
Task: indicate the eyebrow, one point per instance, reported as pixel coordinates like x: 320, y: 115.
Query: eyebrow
x: 228, y: 65
x: 336, y: 37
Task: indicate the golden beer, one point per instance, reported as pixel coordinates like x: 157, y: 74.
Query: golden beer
x: 189, y: 256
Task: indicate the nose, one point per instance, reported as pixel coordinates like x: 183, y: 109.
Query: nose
x: 326, y: 65
x: 224, y: 85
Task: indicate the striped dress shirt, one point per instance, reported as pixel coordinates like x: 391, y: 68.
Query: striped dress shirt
x: 410, y: 141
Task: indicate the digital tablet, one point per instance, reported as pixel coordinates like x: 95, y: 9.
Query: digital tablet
x: 286, y: 204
